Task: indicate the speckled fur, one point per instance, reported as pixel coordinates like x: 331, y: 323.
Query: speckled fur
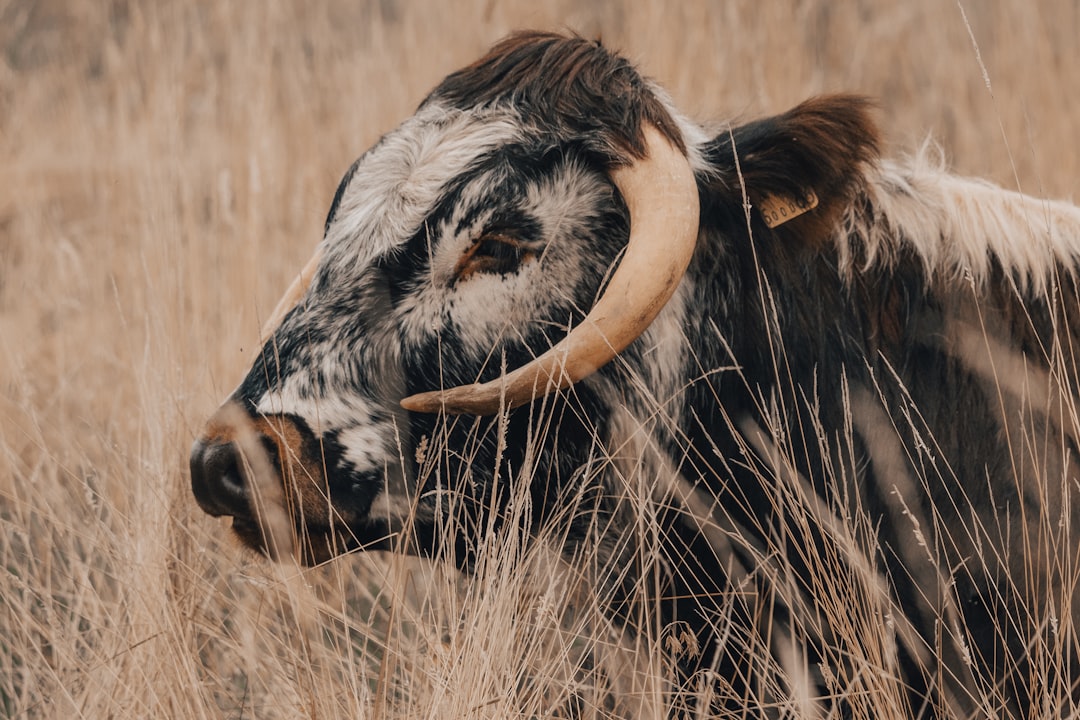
x: 828, y: 360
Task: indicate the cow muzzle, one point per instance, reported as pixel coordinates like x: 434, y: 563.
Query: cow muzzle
x: 260, y: 471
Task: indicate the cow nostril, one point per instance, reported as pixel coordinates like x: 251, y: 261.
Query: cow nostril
x: 217, y: 479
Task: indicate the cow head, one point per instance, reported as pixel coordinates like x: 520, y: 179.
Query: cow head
x: 525, y: 226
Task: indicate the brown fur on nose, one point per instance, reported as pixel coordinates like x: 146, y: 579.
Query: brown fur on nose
x: 300, y: 464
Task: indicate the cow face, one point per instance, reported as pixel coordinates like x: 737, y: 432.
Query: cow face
x: 469, y: 241
x: 459, y: 245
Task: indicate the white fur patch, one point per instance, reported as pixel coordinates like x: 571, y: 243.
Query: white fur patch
x: 958, y: 225
x: 486, y: 308
x: 368, y: 446
x: 322, y: 414
x: 398, y: 182
x: 666, y: 350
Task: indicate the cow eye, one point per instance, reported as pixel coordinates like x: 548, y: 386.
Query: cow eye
x: 493, y: 253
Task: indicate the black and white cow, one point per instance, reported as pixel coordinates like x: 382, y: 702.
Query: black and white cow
x: 753, y: 361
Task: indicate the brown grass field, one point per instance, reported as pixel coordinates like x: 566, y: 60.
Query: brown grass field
x: 165, y: 167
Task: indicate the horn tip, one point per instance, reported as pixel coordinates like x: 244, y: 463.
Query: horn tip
x: 428, y: 402
x: 451, y: 402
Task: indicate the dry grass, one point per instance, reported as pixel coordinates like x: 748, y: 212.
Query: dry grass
x: 165, y: 168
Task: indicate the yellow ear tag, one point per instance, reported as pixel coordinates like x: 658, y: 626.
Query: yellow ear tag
x: 777, y: 210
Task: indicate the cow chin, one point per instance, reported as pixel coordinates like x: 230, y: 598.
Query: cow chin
x: 307, y: 545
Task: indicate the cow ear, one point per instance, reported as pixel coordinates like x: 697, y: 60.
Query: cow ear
x: 800, y: 169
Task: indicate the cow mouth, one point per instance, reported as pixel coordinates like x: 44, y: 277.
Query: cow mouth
x: 311, y: 544
x: 251, y: 535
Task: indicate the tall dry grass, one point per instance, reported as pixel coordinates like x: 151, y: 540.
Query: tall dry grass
x: 164, y: 169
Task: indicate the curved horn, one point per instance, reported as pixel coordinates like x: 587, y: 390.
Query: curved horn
x: 292, y: 296
x: 661, y: 195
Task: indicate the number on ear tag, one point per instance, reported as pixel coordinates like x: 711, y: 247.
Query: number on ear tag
x: 777, y: 210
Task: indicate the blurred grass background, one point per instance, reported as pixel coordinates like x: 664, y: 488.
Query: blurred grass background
x: 165, y: 167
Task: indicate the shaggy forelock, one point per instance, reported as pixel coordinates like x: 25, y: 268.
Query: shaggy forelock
x: 396, y: 184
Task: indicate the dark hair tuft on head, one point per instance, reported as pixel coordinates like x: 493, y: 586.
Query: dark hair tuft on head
x: 571, y: 85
